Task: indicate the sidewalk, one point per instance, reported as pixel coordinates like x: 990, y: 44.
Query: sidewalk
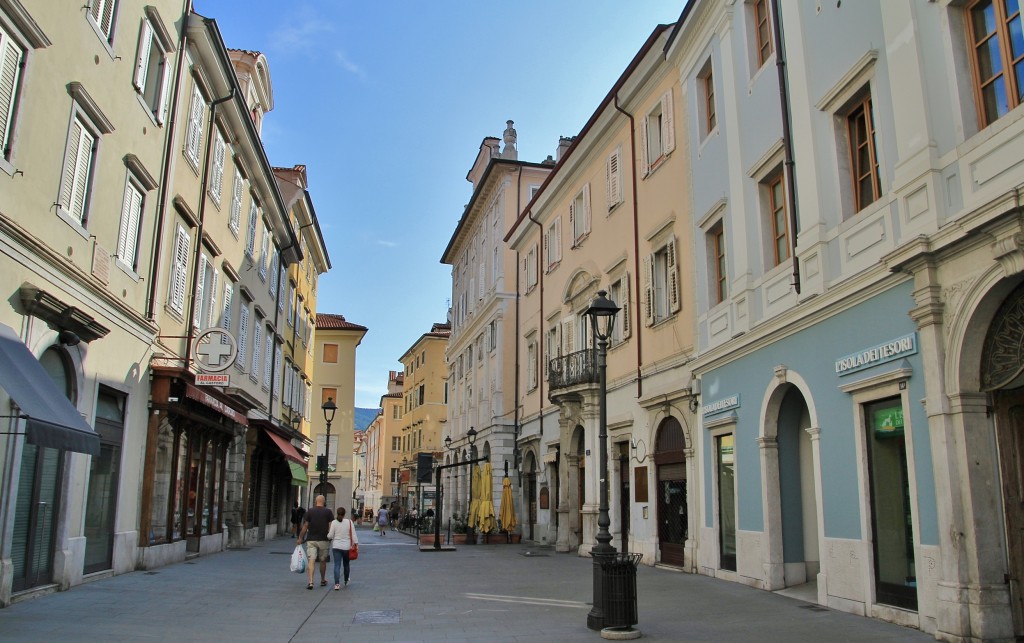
x: 397, y: 593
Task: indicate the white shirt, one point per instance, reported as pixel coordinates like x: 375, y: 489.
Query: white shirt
x: 342, y: 534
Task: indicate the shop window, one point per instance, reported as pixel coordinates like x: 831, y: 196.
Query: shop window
x: 725, y: 456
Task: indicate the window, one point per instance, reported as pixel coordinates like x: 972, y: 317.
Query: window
x: 275, y: 260
x: 579, y: 216
x: 288, y: 382
x: 268, y: 359
x: 206, y: 294
x: 243, y: 336
x: 613, y: 176
x: 657, y: 135
x: 179, y: 271
x: 531, y: 366
x: 661, y: 283
x: 716, y: 257
x: 706, y: 91
x: 395, y: 476
x: 396, y: 412
x: 860, y: 127
x: 330, y: 353
x: 153, y: 67
x: 619, y: 293
x: 264, y: 253
x: 278, y: 365
x: 997, y: 56
x: 236, y: 203
x: 217, y: 172
x: 103, y: 13
x: 492, y: 335
x: 250, y: 239
x: 774, y: 195
x: 762, y: 31
x: 225, y: 314
x: 128, y: 231
x: 77, y: 175
x: 194, y: 133
x: 328, y: 392
x: 530, y: 268
x: 553, y: 244
x: 12, y: 57
x: 396, y: 443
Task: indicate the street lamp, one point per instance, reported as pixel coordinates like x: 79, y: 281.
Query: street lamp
x: 329, y: 408
x: 470, y: 532
x: 602, y: 320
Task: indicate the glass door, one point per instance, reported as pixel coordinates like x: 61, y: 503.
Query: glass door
x: 725, y: 452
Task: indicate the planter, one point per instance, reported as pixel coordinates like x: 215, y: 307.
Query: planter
x: 502, y: 538
x: 456, y: 539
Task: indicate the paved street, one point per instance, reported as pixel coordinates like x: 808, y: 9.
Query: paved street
x: 397, y: 593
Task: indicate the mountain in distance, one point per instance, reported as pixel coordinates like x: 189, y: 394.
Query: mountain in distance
x: 363, y: 417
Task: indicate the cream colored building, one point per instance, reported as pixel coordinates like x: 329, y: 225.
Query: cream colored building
x: 424, y: 399
x: 335, y: 342
x: 611, y: 216
x: 483, y: 344
x: 384, y: 447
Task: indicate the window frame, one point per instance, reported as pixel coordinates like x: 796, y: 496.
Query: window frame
x: 105, y: 34
x: 718, y: 288
x: 553, y: 244
x: 657, y: 125
x: 73, y: 172
x: 862, y: 104
x: 129, y: 232
x: 178, y: 281
x: 1007, y: 62
x: 764, y: 45
x: 708, y: 113
x: 194, y: 129
x: 152, y: 63
x: 579, y: 216
x: 661, y: 282
x: 11, y: 41
x: 774, y: 212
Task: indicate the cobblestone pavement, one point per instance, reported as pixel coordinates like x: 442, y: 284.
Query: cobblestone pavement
x: 397, y: 593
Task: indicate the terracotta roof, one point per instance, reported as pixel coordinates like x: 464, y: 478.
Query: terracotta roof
x: 328, y: 321
x: 252, y: 53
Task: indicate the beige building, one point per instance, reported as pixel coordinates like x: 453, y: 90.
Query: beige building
x: 424, y: 398
x: 335, y: 340
x: 610, y: 217
x: 483, y: 344
x: 384, y: 447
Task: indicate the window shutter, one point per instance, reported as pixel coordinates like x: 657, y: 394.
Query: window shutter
x: 558, y: 238
x: 236, y: 202
x: 225, y: 318
x: 197, y: 315
x: 217, y: 180
x: 668, y: 130
x: 212, y: 306
x: 568, y: 339
x: 250, y: 239
x: 195, y: 125
x: 142, y: 63
x: 547, y: 247
x: 277, y: 370
x: 674, y: 302
x: 257, y: 347
x: 480, y: 283
x: 80, y: 184
x: 10, y: 69
x: 103, y: 13
x: 645, y: 160
x: 649, y: 290
x: 67, y: 187
x: 274, y: 270
x: 625, y: 314
x: 572, y: 223
x: 268, y: 360
x: 165, y: 83
x: 128, y: 235
x: 181, y: 248
x: 586, y: 209
x: 614, y: 178
x: 243, y: 336
x: 122, y: 233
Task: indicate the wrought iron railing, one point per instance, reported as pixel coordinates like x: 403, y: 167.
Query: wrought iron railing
x: 572, y: 369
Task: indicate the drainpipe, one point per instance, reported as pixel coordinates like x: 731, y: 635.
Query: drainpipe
x: 165, y: 169
x: 636, y: 248
x: 787, y: 141
x: 201, y: 215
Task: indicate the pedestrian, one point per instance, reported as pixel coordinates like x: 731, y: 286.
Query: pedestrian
x: 298, y: 511
x: 316, y: 523
x: 382, y: 518
x: 342, y: 535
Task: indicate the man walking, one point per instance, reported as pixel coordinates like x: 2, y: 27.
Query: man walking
x: 316, y: 523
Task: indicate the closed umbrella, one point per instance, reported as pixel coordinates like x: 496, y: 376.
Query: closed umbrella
x: 474, y: 502
x: 507, y: 512
x: 486, y: 519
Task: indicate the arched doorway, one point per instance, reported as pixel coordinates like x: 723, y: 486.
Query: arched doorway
x: 670, y: 461
x: 797, y: 505
x: 39, y: 492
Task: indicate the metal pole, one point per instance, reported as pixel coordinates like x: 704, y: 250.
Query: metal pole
x: 603, y: 550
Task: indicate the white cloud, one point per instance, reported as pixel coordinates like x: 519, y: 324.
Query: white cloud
x: 348, y: 65
x: 386, y: 244
x: 301, y: 37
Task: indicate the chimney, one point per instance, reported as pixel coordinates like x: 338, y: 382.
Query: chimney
x: 563, y: 144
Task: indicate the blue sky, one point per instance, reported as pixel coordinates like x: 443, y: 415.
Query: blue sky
x: 386, y: 103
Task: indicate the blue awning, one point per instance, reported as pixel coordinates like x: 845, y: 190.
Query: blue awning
x: 52, y: 421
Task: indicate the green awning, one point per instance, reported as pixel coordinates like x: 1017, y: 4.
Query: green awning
x: 298, y: 474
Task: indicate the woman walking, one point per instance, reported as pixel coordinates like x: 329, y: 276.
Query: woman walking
x: 342, y: 535
x: 382, y: 519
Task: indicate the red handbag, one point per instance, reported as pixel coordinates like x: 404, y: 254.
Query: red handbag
x: 353, y: 552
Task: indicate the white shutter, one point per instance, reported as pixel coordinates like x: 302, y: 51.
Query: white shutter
x: 195, y: 125
x: 142, y: 62
x: 257, y: 347
x: 165, y: 83
x: 274, y: 272
x: 668, y: 130
x: 80, y: 177
x: 572, y: 222
x: 225, y: 318
x: 217, y: 179
x: 128, y: 234
x: 243, y: 336
x: 480, y: 283
x: 105, y: 18
x: 586, y: 209
x: 568, y: 336
x: 558, y: 238
x: 122, y: 232
x: 672, y: 277
x: 10, y: 69
x: 626, y: 310
x: 264, y: 253
x: 178, y: 278
x: 547, y: 249
x: 613, y: 176
x: 67, y: 186
x: 649, y: 290
x: 277, y: 371
x: 236, y: 202
x: 268, y: 360
x: 212, y: 305
x: 645, y: 161
x: 197, y: 315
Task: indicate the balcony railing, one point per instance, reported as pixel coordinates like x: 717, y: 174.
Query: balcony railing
x: 573, y: 369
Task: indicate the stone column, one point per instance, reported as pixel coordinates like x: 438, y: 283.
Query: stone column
x: 772, y: 559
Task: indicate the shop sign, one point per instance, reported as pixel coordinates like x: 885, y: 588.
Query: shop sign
x: 885, y: 352
x: 213, y: 379
x: 888, y: 422
x: 721, y: 405
x: 214, y: 350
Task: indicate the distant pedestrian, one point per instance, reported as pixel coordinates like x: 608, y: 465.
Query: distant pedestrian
x: 342, y: 535
x: 316, y: 523
x: 382, y: 519
x: 298, y: 511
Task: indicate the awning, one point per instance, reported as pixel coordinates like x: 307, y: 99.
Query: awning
x: 52, y: 420
x: 204, y: 398
x: 289, y: 451
x: 298, y: 474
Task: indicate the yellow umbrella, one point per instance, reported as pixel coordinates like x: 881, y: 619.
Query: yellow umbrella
x: 486, y: 510
x: 507, y: 512
x: 474, y: 503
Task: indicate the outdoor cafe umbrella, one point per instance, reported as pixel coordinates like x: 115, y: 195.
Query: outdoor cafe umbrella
x: 474, y: 503
x: 507, y: 512
x: 485, y: 512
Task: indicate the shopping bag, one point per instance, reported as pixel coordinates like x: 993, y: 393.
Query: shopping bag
x: 353, y: 552
x: 376, y: 527
x: 298, y: 560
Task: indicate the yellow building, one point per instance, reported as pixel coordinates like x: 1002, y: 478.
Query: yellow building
x: 334, y: 364
x: 384, y: 447
x: 425, y: 404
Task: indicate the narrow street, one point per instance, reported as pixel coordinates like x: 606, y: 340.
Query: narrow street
x: 397, y: 593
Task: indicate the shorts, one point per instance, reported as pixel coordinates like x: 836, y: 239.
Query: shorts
x: 318, y: 550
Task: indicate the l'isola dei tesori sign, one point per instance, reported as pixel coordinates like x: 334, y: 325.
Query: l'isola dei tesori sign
x: 885, y: 352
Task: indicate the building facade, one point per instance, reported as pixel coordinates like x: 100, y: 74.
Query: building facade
x: 384, y: 447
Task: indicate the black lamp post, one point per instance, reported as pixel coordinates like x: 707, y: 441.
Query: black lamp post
x: 470, y: 532
x: 602, y: 320
x: 329, y: 408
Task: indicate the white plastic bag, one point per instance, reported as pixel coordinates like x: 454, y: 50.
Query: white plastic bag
x: 298, y: 560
